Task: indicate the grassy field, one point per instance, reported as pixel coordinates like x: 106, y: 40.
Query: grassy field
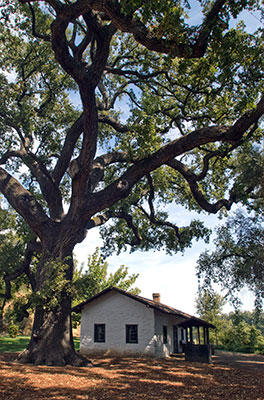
x: 16, y: 345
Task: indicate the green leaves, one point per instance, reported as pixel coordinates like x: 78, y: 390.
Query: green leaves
x: 146, y: 101
x: 34, y: 98
x: 242, y: 333
x: 55, y: 286
x: 96, y: 278
x: 12, y: 243
x: 237, y: 331
x: 237, y: 261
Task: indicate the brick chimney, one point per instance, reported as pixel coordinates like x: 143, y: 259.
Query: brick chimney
x: 156, y: 297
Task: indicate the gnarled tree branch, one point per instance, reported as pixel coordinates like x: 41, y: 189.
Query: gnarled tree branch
x: 25, y: 204
x: 197, y: 193
x: 120, y: 188
x: 66, y: 153
x: 107, y: 119
x: 100, y: 220
x: 34, y: 32
x: 31, y: 248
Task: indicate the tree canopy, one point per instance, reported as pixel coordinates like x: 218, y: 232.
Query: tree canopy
x: 237, y: 261
x: 167, y: 113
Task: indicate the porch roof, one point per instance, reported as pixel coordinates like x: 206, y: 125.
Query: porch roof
x: 193, y: 321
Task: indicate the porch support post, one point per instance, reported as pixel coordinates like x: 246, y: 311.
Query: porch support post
x: 198, y: 331
x: 191, y: 334
x: 207, y: 335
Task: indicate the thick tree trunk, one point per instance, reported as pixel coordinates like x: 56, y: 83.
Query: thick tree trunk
x: 51, y: 341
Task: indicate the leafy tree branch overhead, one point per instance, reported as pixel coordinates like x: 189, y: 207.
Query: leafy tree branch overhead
x: 194, y: 104
x: 237, y: 260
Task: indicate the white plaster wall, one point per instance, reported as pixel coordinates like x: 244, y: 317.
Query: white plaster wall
x: 161, y: 319
x: 115, y: 311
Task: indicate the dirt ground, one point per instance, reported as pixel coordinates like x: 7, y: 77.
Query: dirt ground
x: 229, y: 377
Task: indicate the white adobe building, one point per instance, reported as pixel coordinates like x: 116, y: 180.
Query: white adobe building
x: 118, y: 322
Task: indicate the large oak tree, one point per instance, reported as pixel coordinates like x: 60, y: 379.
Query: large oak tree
x: 193, y: 101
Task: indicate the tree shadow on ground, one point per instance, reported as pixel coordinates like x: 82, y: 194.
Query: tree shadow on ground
x: 239, y: 359
x: 129, y: 378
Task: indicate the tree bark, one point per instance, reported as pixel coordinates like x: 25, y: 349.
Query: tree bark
x: 51, y: 340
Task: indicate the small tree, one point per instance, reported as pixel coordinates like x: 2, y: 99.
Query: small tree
x: 87, y: 283
x: 209, y: 306
x: 96, y: 278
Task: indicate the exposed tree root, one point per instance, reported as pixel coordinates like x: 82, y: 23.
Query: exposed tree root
x: 53, y: 357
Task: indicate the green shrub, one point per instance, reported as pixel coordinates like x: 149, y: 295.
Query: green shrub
x: 259, y: 347
x: 13, y: 330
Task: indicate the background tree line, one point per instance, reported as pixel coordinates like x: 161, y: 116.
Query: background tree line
x: 238, y: 331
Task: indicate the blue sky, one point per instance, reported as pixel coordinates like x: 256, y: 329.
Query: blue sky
x: 252, y: 19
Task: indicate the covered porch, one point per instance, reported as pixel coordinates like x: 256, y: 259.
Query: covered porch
x: 197, y: 344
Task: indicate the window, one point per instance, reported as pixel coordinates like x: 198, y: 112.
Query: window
x: 131, y: 334
x: 99, y: 332
x: 165, y: 334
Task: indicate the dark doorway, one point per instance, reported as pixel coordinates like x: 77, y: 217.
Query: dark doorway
x: 175, y: 339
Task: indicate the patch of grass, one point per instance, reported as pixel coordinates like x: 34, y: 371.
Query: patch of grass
x: 13, y: 345
x: 19, y: 343
x: 76, y: 343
